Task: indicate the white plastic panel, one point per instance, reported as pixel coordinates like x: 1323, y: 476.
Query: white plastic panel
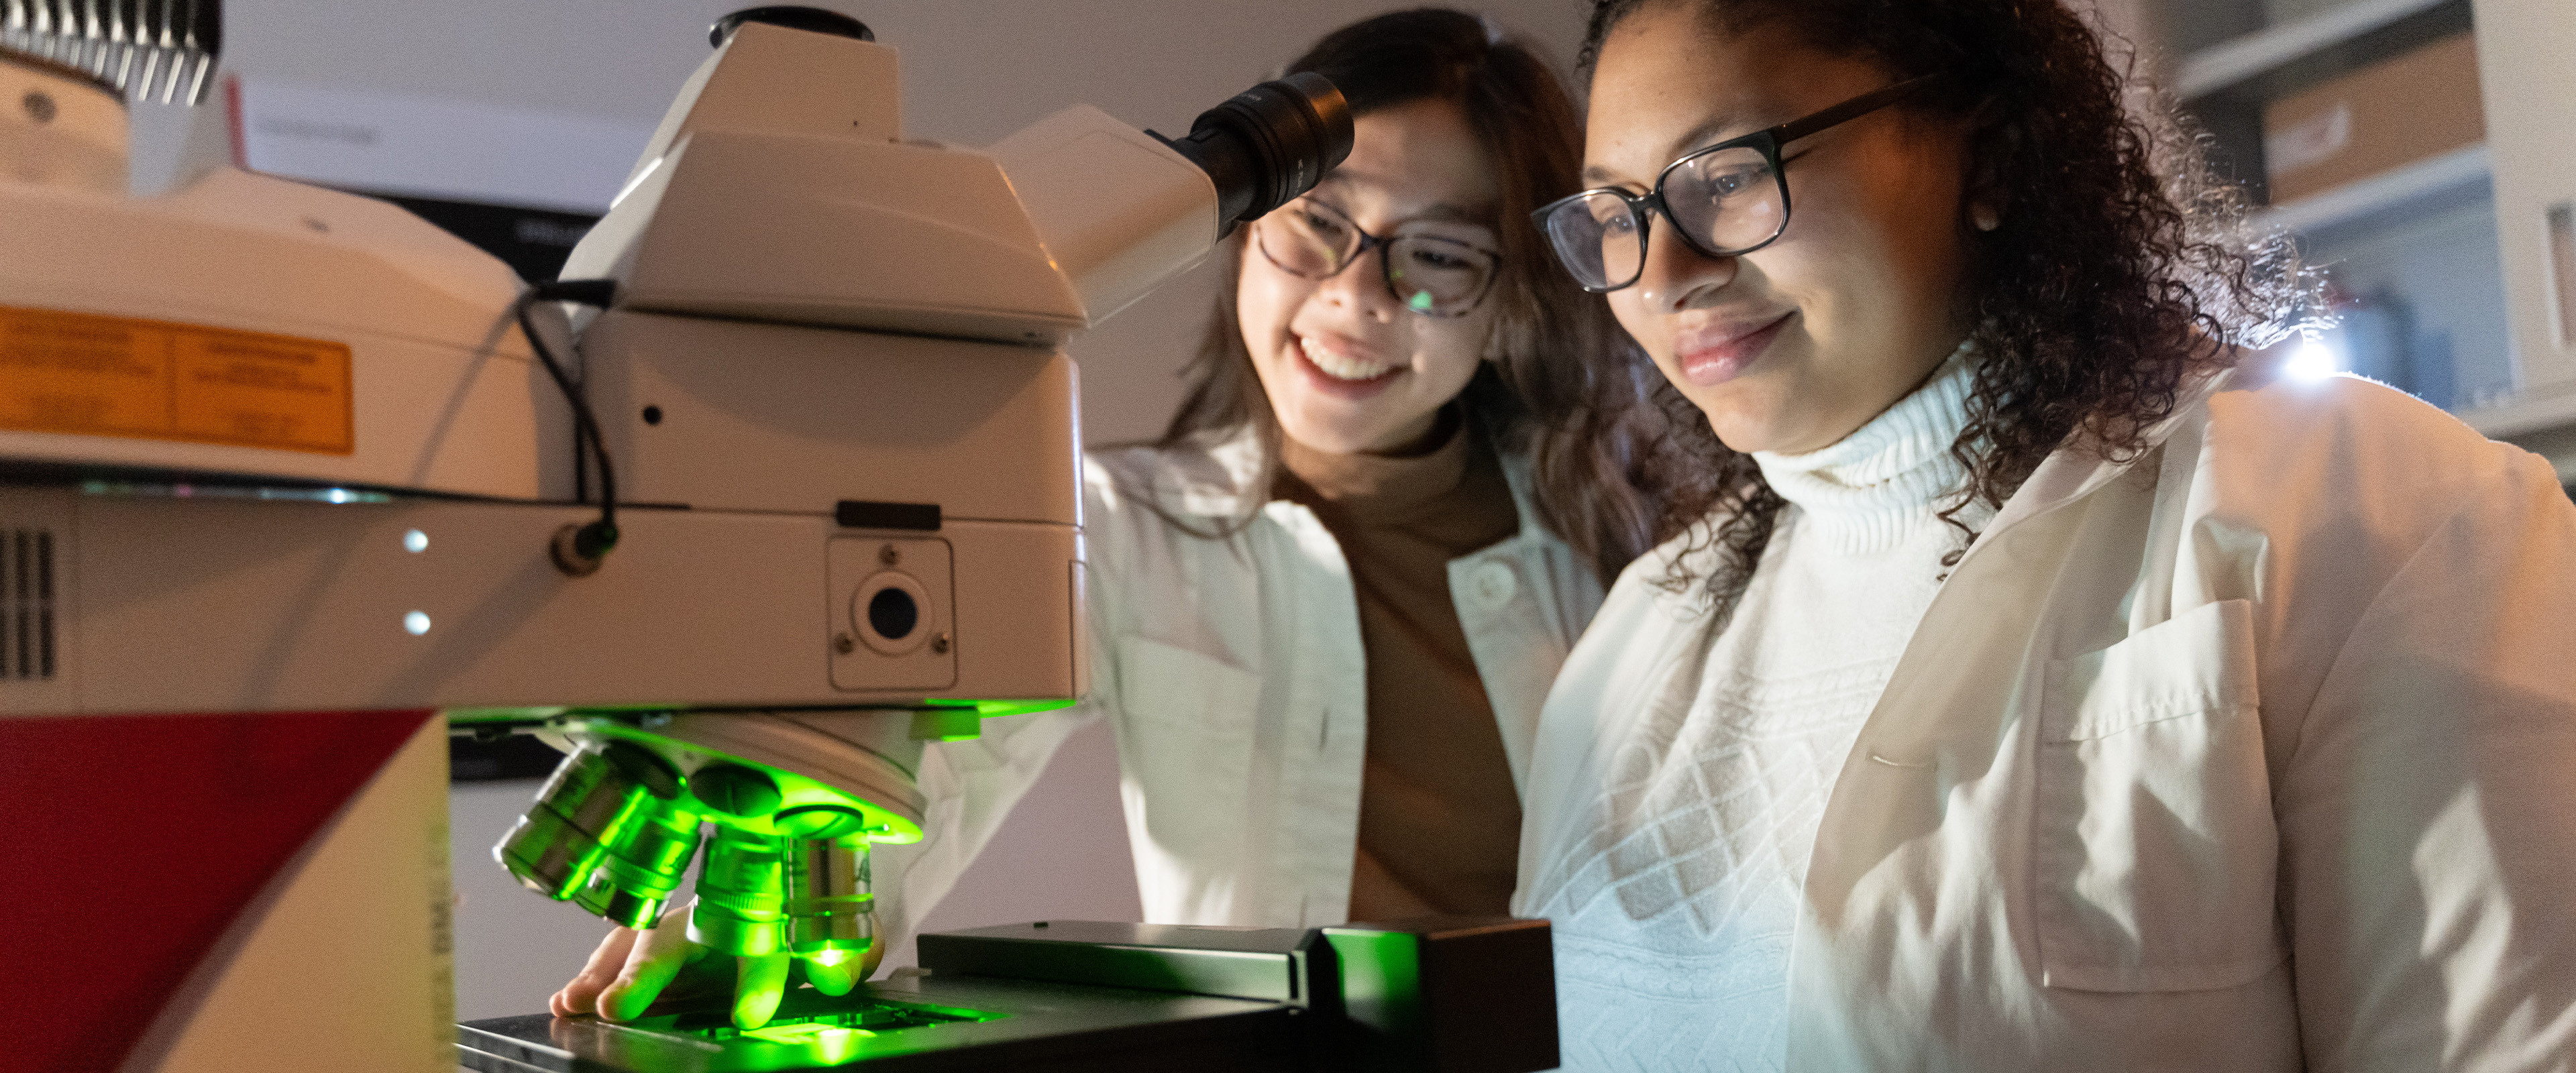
x: 194, y: 605
x: 443, y: 396
x: 836, y: 231
x: 779, y: 417
x: 1119, y: 211
x: 358, y: 925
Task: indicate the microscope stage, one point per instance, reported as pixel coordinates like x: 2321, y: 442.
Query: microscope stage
x: 909, y: 1023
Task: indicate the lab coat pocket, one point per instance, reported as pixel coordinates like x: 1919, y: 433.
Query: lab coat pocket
x: 1186, y: 736
x: 2154, y: 848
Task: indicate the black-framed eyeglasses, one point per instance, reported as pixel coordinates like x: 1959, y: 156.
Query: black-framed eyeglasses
x: 1428, y: 274
x: 1727, y: 200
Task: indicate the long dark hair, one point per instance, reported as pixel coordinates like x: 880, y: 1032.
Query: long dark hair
x: 1559, y: 386
x: 2122, y: 269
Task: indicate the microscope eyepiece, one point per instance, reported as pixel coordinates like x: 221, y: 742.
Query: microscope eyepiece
x: 1268, y: 144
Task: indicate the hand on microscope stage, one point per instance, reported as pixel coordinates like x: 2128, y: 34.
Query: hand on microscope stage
x: 624, y: 976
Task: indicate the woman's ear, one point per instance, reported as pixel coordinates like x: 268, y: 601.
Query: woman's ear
x: 1993, y: 146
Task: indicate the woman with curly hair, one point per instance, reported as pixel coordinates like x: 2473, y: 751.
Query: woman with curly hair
x: 2027, y: 682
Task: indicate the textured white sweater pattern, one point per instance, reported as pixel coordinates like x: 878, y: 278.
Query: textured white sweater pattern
x: 1673, y: 918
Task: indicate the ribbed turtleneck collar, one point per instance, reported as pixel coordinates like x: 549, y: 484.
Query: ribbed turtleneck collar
x: 1382, y: 489
x: 1864, y: 492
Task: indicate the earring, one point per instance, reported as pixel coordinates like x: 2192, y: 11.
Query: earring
x: 1986, y: 217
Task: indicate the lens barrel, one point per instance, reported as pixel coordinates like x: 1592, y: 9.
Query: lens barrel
x: 596, y: 803
x: 829, y: 904
x: 644, y: 863
x: 1268, y: 144
x: 742, y: 895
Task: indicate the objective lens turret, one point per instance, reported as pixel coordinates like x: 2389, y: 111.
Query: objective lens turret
x: 786, y: 857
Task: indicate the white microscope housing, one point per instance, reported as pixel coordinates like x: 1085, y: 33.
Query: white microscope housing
x: 813, y: 315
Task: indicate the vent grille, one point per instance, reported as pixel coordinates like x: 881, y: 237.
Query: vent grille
x: 26, y: 604
x: 149, y: 49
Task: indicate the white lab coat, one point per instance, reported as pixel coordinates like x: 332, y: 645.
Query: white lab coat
x: 1232, y: 672
x: 2255, y: 752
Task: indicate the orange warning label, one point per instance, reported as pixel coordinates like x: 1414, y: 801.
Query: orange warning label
x: 115, y: 376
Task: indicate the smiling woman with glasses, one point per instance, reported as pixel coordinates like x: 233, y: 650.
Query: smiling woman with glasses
x: 1405, y: 470
x: 2027, y: 681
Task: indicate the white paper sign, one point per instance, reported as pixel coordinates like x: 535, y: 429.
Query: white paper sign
x: 437, y: 148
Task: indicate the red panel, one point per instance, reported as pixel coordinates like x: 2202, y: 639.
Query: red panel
x: 128, y: 844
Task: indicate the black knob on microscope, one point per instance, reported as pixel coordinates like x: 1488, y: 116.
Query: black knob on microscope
x: 794, y: 18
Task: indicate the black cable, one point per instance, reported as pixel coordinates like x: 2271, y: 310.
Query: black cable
x: 591, y: 541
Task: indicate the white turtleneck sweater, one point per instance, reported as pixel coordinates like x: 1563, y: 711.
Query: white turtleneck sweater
x: 1672, y: 873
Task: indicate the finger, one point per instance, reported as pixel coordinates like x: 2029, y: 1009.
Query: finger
x: 756, y: 992
x: 582, y: 994
x: 650, y: 968
x: 876, y: 949
x: 834, y: 979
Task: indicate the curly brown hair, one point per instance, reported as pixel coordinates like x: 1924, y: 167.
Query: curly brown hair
x: 1557, y: 386
x: 2123, y: 269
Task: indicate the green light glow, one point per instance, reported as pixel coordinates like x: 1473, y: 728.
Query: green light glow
x: 1421, y: 301
x: 796, y: 791
x: 803, y: 1034
x: 810, y: 1030
x: 500, y: 715
x: 830, y: 957
x: 994, y: 709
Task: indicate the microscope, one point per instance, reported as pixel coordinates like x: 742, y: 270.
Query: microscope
x: 809, y: 311
x: 782, y: 486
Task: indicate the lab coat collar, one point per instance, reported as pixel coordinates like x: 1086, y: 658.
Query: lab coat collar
x: 1222, y: 480
x: 2072, y: 472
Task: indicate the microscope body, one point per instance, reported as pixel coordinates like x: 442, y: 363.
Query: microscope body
x: 278, y: 476
x: 813, y: 315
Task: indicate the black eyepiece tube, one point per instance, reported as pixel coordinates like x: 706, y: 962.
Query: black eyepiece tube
x: 812, y: 19
x: 1268, y: 144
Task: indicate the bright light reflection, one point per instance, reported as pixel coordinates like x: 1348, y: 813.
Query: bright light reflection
x: 416, y: 623
x: 2314, y: 360
x: 829, y: 958
x: 337, y: 495
x: 415, y: 541
x: 805, y: 1033
x: 637, y: 181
